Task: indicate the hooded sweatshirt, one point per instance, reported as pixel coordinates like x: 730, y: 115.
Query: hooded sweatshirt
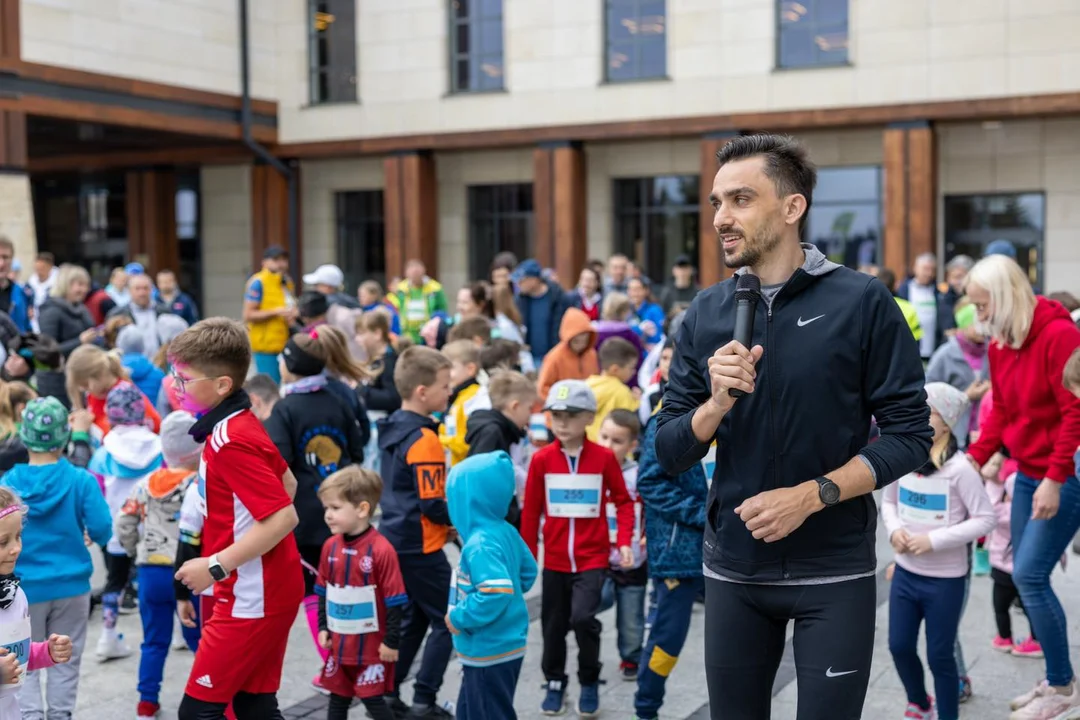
x: 414, y: 515
x: 127, y: 455
x: 148, y: 524
x: 562, y: 363
x: 1033, y: 415
x: 63, y: 502
x: 496, y: 569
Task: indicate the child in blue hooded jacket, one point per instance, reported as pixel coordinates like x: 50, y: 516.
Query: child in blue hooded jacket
x: 63, y: 502
x: 487, y: 614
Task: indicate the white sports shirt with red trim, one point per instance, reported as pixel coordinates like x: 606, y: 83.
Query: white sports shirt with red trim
x: 239, y: 484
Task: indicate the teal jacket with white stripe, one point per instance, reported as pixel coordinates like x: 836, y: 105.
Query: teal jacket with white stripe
x: 487, y: 604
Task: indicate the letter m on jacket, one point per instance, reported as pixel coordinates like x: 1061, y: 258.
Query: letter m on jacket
x: 427, y: 463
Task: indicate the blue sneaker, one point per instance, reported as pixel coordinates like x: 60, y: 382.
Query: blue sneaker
x: 588, y: 705
x: 555, y: 698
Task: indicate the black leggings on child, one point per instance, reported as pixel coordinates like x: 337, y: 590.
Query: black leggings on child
x: 1005, y: 593
x: 376, y: 707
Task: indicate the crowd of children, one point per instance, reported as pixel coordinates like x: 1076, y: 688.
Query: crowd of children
x: 335, y: 493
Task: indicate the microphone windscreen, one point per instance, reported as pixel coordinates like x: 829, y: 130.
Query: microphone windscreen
x: 747, y: 286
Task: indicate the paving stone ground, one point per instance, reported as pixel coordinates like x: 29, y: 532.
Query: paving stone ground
x: 107, y: 690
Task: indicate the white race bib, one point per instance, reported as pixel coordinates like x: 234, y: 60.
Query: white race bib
x: 573, y: 496
x: 416, y: 310
x: 351, y: 610
x: 923, y: 500
x: 613, y: 525
x: 15, y: 638
x: 708, y: 464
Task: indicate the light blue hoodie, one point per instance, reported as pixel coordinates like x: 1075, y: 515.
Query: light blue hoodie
x: 496, y: 568
x: 63, y: 501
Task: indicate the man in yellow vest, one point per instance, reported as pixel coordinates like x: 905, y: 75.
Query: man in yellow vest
x: 270, y: 310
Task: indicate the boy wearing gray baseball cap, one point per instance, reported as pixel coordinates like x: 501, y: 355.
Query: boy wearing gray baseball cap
x: 569, y: 481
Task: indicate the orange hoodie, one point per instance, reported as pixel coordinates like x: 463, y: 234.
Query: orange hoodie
x: 562, y: 363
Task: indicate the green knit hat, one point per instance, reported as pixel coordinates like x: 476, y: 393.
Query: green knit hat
x: 44, y: 425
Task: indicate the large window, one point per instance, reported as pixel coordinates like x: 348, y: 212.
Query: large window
x: 974, y: 221
x: 500, y: 220
x: 332, y: 50
x: 189, y: 234
x: 656, y: 220
x: 845, y: 218
x: 361, y: 234
x: 811, y: 33
x: 476, y: 45
x: 636, y: 40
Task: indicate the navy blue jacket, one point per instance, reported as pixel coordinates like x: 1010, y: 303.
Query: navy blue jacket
x: 674, y: 513
x: 837, y: 352
x: 184, y: 306
x: 558, y: 301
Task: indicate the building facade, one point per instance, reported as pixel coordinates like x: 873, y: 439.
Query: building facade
x: 449, y: 130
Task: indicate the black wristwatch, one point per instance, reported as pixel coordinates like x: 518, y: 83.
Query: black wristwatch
x: 828, y: 491
x: 217, y: 571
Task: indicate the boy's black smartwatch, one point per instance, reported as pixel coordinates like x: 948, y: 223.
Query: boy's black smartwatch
x: 217, y: 571
x: 828, y: 491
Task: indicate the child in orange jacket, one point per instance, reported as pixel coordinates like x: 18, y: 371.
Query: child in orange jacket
x: 574, y: 358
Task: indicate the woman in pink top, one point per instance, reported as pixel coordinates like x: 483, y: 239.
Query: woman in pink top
x: 931, y: 517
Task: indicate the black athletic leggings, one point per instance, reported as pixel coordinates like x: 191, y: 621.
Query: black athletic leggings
x: 246, y: 706
x: 376, y: 707
x: 1005, y: 594
x: 744, y: 643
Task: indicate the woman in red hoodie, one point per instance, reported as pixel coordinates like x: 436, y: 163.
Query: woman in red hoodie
x: 1038, y: 421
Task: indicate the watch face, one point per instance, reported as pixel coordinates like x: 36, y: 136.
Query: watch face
x: 217, y: 572
x: 830, y: 493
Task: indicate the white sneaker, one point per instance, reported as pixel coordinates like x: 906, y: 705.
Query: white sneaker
x: 112, y: 647
x: 1022, y: 700
x: 1048, y: 704
x: 178, y: 641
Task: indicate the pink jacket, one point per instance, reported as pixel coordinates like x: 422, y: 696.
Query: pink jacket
x: 999, y: 542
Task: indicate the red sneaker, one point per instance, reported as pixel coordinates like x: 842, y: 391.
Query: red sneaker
x: 147, y: 710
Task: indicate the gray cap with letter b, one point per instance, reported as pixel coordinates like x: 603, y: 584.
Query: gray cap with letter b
x: 571, y: 396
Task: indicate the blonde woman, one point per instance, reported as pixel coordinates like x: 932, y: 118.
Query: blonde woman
x: 63, y: 316
x: 1038, y: 421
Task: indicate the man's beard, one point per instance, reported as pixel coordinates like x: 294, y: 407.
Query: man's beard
x: 754, y: 248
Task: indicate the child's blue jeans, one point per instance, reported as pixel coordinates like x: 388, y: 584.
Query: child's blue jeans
x: 629, y: 603
x: 939, y: 602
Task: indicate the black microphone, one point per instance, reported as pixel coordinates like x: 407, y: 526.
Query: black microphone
x: 747, y: 294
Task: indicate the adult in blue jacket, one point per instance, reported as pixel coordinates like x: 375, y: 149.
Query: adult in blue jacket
x: 674, y: 524
x: 790, y: 524
x: 487, y: 613
x: 14, y: 300
x: 541, y: 305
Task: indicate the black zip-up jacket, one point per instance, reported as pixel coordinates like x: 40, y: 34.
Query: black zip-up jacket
x: 317, y: 434
x: 490, y: 431
x: 381, y: 395
x: 837, y: 351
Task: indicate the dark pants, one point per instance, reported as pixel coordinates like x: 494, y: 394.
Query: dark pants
x: 157, y: 608
x: 939, y: 601
x: 427, y: 582
x: 487, y: 693
x: 246, y: 706
x: 745, y: 627
x: 1005, y: 594
x: 569, y: 601
x: 674, y: 608
x: 376, y: 707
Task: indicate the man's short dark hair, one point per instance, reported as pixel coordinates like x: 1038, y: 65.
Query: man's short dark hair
x: 263, y: 387
x: 505, y: 260
x: 787, y: 164
x: 47, y: 257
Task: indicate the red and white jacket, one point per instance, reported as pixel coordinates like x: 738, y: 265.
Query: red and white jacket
x: 558, y: 480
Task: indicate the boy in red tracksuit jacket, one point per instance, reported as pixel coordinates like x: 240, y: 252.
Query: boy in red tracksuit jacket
x: 569, y: 482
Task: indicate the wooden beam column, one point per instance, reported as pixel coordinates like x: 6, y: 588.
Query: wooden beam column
x: 711, y: 268
x: 559, y: 209
x: 270, y: 215
x: 411, y: 213
x: 910, y: 186
x: 151, y: 219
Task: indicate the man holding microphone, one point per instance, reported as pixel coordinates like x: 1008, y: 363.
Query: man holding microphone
x: 790, y: 531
